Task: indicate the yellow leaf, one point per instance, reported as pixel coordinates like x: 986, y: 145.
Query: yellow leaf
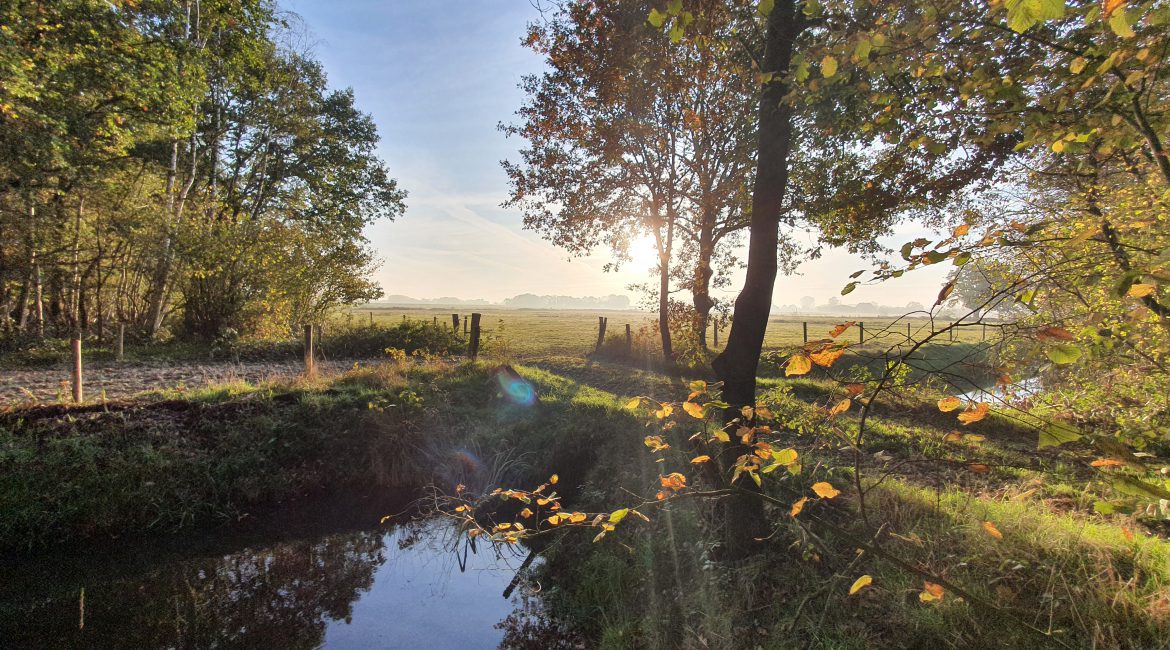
x: 462, y: 509
x: 785, y: 456
x: 1077, y: 65
x: 693, y: 410
x: 617, y: 516
x: 826, y: 357
x: 825, y: 490
x: 828, y: 66
x: 798, y: 506
x: 699, y: 460
x: 975, y: 414
x: 992, y: 530
x: 798, y: 365
x: 553, y: 479
x: 860, y: 583
x: 953, y: 436
x: 665, y: 411
x: 1058, y: 146
x: 577, y: 517
x: 634, y: 403
x: 1140, y: 290
x: 841, y: 407
x: 747, y: 412
x: 931, y: 592
x: 526, y: 513
x: 655, y: 443
x: 554, y: 520
x: 959, y: 231
x: 947, y: 404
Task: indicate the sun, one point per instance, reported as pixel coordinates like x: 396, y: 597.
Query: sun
x: 643, y: 254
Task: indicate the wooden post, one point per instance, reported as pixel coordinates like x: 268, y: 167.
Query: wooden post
x: 629, y: 340
x: 601, y: 321
x: 715, y: 334
x: 985, y: 331
x: 455, y: 323
x: 951, y: 331
x: 77, y: 390
x: 464, y: 326
x: 371, y: 319
x: 908, y: 331
x: 310, y: 361
x: 435, y: 321
x: 404, y: 318
x: 861, y: 332
x: 805, y: 327
x: 473, y: 344
x: 119, y: 345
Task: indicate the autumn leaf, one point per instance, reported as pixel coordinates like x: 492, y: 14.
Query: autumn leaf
x: 1109, y: 6
x: 798, y: 506
x: 694, y: 410
x: 959, y: 231
x: 975, y: 414
x: 1054, y: 333
x: 826, y: 357
x: 948, y: 404
x: 673, y: 481
x: 655, y: 443
x: 633, y: 404
x: 798, y: 365
x: 945, y: 293
x: 577, y: 517
x: 825, y: 490
x: 860, y: 583
x: 828, y: 66
x: 992, y: 530
x: 953, y: 436
x: 699, y: 460
x: 855, y: 389
x: 554, y: 520
x: 930, y: 592
x: 617, y: 516
x: 553, y: 479
x: 1106, y: 462
x: 840, y: 407
x: 979, y: 468
x: 1140, y: 290
x: 840, y: 329
x: 665, y: 411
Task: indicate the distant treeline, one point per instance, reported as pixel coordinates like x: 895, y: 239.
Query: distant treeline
x: 522, y: 301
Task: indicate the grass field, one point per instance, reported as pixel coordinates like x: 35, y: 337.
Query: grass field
x: 528, y: 333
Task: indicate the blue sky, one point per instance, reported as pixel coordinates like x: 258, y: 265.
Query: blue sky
x: 438, y: 78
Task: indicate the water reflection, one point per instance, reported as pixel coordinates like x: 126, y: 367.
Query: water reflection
x: 359, y: 589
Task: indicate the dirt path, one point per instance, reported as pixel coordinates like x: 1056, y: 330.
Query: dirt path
x: 52, y: 384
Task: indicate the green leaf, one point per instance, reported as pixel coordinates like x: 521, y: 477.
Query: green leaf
x: 765, y: 7
x: 1119, y: 23
x: 1103, y: 507
x: 848, y: 288
x: 1023, y: 14
x: 1134, y: 487
x: 1063, y: 354
x: 617, y: 515
x: 1056, y: 434
x: 962, y: 258
x: 656, y: 18
x: 828, y: 66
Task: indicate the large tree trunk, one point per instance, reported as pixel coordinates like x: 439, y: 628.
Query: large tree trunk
x: 742, y: 516
x: 701, y: 287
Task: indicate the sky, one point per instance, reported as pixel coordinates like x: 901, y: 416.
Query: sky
x: 437, y: 79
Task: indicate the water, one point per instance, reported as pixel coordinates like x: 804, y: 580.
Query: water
x: 1012, y: 393
x: 401, y: 587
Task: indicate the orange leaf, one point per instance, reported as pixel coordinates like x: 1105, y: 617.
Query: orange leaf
x: 841, y: 407
x: 992, y: 530
x: 840, y: 329
x: 953, y: 436
x: 826, y: 357
x: 947, y: 404
x: 553, y: 479
x: 855, y: 389
x: 979, y: 468
x: 526, y: 513
x: 798, y: 365
x: 945, y: 293
x: 577, y: 517
x: 1109, y: 6
x: 1106, y: 462
x: 959, y: 231
x: 554, y: 520
x: 974, y: 414
x: 1127, y: 532
x: 699, y: 460
x: 825, y: 490
x: 798, y: 506
x: 673, y: 481
x: 694, y: 410
x: 1140, y: 290
x: 931, y: 592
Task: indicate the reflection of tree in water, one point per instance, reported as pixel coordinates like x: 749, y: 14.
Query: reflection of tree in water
x: 278, y: 597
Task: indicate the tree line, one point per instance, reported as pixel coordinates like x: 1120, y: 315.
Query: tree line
x: 181, y: 167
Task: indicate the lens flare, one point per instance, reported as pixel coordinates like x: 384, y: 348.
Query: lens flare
x: 513, y: 387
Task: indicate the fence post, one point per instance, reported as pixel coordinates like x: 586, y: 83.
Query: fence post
x: 310, y: 360
x: 464, y: 326
x: 908, y: 339
x: 371, y: 319
x: 629, y: 340
x: 861, y: 332
x: 985, y: 331
x: 473, y: 344
x: 119, y: 346
x: 952, y: 332
x: 77, y: 390
x: 804, y: 326
x: 715, y: 333
x: 455, y: 323
x: 601, y: 322
x: 435, y: 321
